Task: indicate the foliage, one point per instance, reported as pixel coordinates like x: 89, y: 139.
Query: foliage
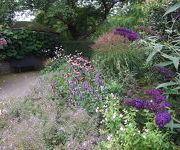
x: 113, y: 58
x: 79, y: 18
x: 168, y: 26
x: 131, y: 16
x: 77, y: 47
x: 80, y: 84
x: 7, y: 11
x: 25, y: 42
x: 172, y: 9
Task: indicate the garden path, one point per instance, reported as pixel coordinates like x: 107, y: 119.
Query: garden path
x: 17, y: 85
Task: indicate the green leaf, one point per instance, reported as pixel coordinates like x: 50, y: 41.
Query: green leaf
x: 166, y: 84
x: 177, y: 88
x: 164, y: 63
x: 1, y: 47
x: 172, y: 125
x: 150, y: 57
x: 157, y: 49
x: 174, y: 59
x: 172, y: 9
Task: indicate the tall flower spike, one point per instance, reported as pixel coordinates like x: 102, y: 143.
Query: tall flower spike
x: 132, y: 36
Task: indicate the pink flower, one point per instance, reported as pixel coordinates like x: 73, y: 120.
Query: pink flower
x: 3, y: 42
x: 80, y: 58
x: 74, y: 63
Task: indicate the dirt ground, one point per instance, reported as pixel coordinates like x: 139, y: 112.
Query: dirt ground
x: 17, y: 85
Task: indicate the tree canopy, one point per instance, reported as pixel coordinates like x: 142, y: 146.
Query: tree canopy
x: 7, y: 11
x: 79, y: 18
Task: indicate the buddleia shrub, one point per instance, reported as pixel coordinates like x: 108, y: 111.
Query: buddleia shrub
x: 122, y: 130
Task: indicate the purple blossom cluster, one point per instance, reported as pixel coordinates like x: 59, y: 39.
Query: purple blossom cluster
x: 3, y: 42
x: 130, y: 35
x: 165, y: 72
x: 158, y: 105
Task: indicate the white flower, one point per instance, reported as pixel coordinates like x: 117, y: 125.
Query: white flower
x: 109, y: 137
x: 121, y: 115
x: 122, y: 129
x: 114, y: 116
x: 146, y: 130
x: 125, y: 121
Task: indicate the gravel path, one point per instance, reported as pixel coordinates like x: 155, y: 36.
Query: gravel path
x: 17, y: 85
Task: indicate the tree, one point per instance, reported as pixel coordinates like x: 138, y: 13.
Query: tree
x: 7, y: 11
x: 79, y: 17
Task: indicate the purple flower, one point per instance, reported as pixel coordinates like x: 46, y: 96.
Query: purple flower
x: 165, y: 72
x: 154, y: 107
x: 158, y: 99
x: 86, y: 86
x: 158, y: 106
x: 162, y: 118
x: 154, y: 93
x: 137, y: 103
x: 70, y: 82
x: 132, y: 36
x: 98, y: 79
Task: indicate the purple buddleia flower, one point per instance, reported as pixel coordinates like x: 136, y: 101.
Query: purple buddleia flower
x: 162, y: 118
x: 154, y: 93
x: 137, y: 103
x: 158, y: 99
x: 158, y: 106
x: 165, y: 72
x: 154, y: 107
x: 132, y: 36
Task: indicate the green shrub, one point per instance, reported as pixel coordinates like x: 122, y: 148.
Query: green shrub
x: 25, y: 42
x: 132, y: 16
